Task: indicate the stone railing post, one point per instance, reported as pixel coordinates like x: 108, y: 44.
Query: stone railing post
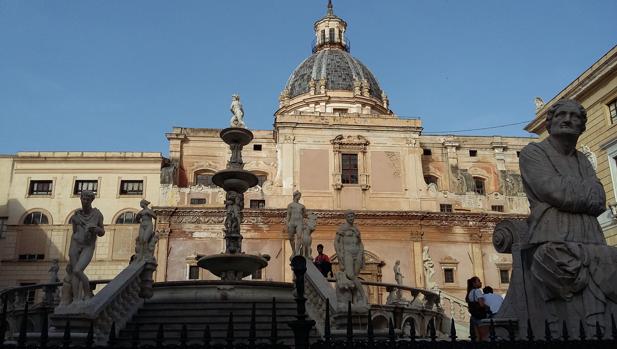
x: 301, y: 327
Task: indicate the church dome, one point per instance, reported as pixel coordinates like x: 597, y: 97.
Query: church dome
x: 339, y: 69
x: 331, y: 80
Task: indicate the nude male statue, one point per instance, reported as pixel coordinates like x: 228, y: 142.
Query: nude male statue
x: 350, y: 253
x: 295, y: 222
x: 237, y: 118
x: 87, y: 226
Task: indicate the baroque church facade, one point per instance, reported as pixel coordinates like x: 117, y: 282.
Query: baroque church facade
x: 429, y: 201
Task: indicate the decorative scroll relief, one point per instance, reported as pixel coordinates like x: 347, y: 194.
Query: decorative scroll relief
x: 358, y: 143
x: 591, y: 156
x: 395, y: 161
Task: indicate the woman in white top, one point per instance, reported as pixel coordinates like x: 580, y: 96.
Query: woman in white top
x: 477, y: 307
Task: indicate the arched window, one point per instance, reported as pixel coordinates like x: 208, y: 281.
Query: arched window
x: 432, y: 179
x: 261, y: 177
x: 204, y: 177
x: 36, y: 217
x: 128, y: 217
x: 479, y: 185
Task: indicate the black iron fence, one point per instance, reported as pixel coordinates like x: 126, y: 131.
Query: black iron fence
x: 604, y: 337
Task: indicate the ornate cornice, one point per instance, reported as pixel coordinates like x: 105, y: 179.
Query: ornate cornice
x: 192, y: 215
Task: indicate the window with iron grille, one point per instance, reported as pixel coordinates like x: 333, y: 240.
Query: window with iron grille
x: 445, y: 208
x: 261, y: 179
x: 473, y: 153
x: 204, y: 179
x: 193, y: 272
x: 30, y: 294
x: 497, y: 208
x: 504, y: 276
x: 127, y: 218
x: 427, y: 151
x: 198, y: 201
x: 479, y: 185
x: 448, y: 275
x: 36, y: 217
x: 257, y: 147
x: 85, y: 184
x: 349, y: 168
x: 43, y: 187
x: 258, y: 204
x: 612, y: 111
x: 131, y: 187
x: 3, y: 226
x: 31, y: 257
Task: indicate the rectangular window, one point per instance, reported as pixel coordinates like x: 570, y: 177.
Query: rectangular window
x: 31, y: 257
x: 3, y: 226
x: 198, y: 201
x: 331, y: 35
x: 497, y: 208
x: 40, y: 187
x: 504, y: 276
x: 445, y: 208
x: 341, y: 111
x: 479, y: 182
x: 612, y: 111
x: 30, y: 294
x: 427, y: 152
x: 448, y: 275
x: 323, y: 36
x: 518, y: 154
x: 257, y: 147
x: 349, y: 166
x: 204, y: 179
x: 193, y: 272
x: 257, y: 275
x: 132, y: 187
x: 89, y: 184
x: 473, y: 153
x: 258, y: 203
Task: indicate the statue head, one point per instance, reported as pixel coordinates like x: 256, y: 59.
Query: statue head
x: 86, y: 197
x: 397, y: 262
x: 567, y: 116
x: 350, y: 216
x: 297, y: 195
x: 235, y: 97
x: 144, y: 203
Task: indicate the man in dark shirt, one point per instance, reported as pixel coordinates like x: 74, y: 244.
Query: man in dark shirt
x: 322, y: 262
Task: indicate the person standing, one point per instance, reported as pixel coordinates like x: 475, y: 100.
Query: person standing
x: 477, y: 307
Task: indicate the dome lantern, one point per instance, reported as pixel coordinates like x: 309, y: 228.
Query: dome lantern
x: 330, y: 31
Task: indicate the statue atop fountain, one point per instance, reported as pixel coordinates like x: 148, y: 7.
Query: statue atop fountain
x: 233, y: 264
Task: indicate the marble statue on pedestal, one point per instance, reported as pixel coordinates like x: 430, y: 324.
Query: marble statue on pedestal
x: 144, y: 245
x: 237, y: 118
x: 307, y: 240
x: 87, y: 225
x: 295, y: 222
x: 53, y: 271
x: 570, y: 269
x: 350, y: 254
x: 429, y: 269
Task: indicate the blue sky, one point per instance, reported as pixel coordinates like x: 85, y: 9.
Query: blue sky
x: 116, y: 75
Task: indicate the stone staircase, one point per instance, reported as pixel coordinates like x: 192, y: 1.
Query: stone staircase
x: 172, y: 314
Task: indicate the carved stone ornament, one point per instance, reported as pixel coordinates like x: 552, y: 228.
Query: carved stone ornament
x: 357, y: 143
x: 591, y: 156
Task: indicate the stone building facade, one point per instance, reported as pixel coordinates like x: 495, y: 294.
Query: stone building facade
x: 337, y: 141
x: 596, y: 90
x: 39, y: 192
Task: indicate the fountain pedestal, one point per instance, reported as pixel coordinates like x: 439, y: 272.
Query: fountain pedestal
x: 234, y: 264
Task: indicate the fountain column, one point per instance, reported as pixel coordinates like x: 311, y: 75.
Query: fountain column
x: 233, y: 264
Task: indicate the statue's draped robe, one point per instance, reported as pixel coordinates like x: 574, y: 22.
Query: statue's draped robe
x: 574, y: 269
x: 82, y: 222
